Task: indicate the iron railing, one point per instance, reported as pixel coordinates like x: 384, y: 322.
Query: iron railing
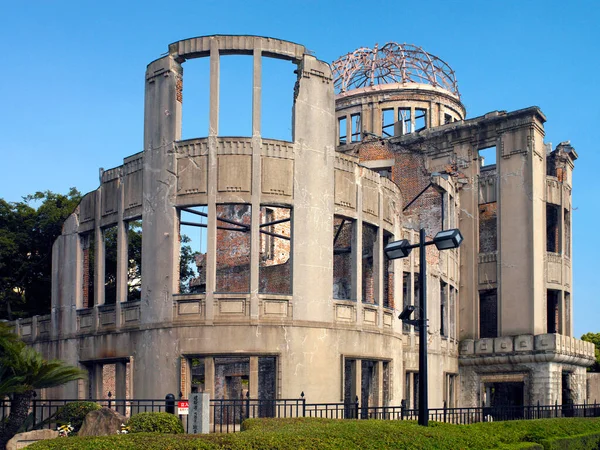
x: 227, y: 415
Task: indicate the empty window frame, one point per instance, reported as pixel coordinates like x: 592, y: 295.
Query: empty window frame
x: 488, y: 314
x: 452, y: 312
x: 275, y: 272
x: 447, y: 118
x: 193, y: 237
x: 416, y: 298
x: 134, y: 260
x: 387, y: 122
x: 342, y: 131
x: 406, y: 296
x: 388, y: 275
x: 553, y: 228
x: 450, y: 390
x: 277, y: 98
x: 232, y: 377
x: 567, y: 330
x: 553, y: 311
x: 405, y: 120
x: 88, y: 286
x: 567, y: 232
x: 488, y: 227
x: 343, y: 241
x: 443, y: 309
x: 233, y: 248
x: 487, y: 156
x: 420, y: 119
x: 193, y: 90
x: 110, y: 265
x: 369, y: 242
x: 356, y: 127
x: 235, y: 95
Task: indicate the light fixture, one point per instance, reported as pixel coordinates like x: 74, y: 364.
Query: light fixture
x: 398, y: 249
x: 406, y: 313
x: 447, y: 239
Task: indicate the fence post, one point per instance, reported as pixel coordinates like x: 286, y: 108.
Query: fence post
x: 556, y: 408
x: 584, y: 409
x: 538, y: 410
x: 34, y: 409
x: 445, y: 410
x: 356, y: 408
x: 303, y: 404
x: 170, y: 403
x: 402, y: 408
x: 248, y: 404
x: 109, y: 399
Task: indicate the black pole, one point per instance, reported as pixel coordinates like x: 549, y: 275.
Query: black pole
x: 423, y: 403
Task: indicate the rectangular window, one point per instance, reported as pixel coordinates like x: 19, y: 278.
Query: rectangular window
x: 567, y: 227
x: 449, y: 391
x: 552, y: 228
x: 452, y: 313
x: 369, y: 240
x: 193, y: 240
x: 388, y: 275
x: 567, y: 331
x: 275, y: 273
x: 488, y: 227
x: 343, y: 238
x: 488, y: 314
x: 416, y: 381
x: 342, y: 131
x: 387, y: 123
x: 447, y: 118
x: 356, y: 127
x: 405, y: 120
x: 553, y: 316
x: 487, y: 156
x: 110, y: 265
x: 420, y: 119
x: 416, y: 299
x: 443, y: 309
x: 89, y: 250
x: 407, y: 396
x: 233, y: 248
x: 134, y: 260
x: 406, y: 297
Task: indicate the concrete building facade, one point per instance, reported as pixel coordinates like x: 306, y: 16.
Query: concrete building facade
x: 291, y: 289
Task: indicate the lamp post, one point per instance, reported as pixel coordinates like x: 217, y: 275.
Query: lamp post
x: 444, y: 240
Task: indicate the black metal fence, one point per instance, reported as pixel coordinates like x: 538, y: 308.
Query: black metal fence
x: 228, y: 414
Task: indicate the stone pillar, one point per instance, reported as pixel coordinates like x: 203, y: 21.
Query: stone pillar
x: 99, y: 272
x: 122, y: 258
x: 378, y: 401
x: 356, y: 390
x: 96, y: 381
x: 120, y: 385
x: 253, y: 377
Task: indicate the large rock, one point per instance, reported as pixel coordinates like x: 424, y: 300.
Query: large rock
x: 102, y: 422
x: 22, y: 440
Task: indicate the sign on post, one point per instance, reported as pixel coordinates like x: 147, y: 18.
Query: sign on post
x: 183, y: 407
x: 200, y: 413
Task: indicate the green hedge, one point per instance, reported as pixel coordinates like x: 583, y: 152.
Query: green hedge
x: 155, y: 422
x: 307, y: 433
x: 74, y: 413
x: 577, y: 442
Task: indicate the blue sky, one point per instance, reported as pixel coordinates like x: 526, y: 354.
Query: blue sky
x: 72, y: 79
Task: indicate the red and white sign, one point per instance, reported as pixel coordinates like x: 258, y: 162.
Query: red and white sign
x: 183, y: 407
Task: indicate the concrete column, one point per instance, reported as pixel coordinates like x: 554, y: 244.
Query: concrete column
x: 348, y: 128
x: 253, y: 377
x: 122, y: 247
x: 96, y: 381
x: 256, y: 185
x: 120, y: 385
x: 213, y: 114
x: 379, y: 377
x: 209, y: 376
x: 356, y: 389
x: 357, y: 251
x: 314, y: 193
x: 378, y: 271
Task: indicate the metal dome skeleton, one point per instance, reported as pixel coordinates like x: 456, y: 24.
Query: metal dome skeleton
x: 392, y: 63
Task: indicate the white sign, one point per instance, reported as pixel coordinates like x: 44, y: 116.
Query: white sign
x: 183, y: 407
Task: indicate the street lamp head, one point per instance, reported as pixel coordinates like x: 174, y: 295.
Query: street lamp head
x: 447, y: 239
x: 406, y: 312
x: 397, y: 249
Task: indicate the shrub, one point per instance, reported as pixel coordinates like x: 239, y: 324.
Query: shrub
x: 74, y: 413
x: 155, y: 422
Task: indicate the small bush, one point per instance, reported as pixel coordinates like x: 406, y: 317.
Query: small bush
x: 74, y: 413
x: 155, y: 422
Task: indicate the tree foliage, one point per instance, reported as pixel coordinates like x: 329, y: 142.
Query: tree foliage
x: 26, y: 237
x: 594, y: 338
x: 22, y: 370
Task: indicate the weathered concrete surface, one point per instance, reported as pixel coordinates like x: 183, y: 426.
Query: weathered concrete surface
x: 102, y: 422
x: 22, y: 440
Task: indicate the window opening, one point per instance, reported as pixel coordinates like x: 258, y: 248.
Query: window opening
x: 553, y: 319
x: 350, y: 388
x: 110, y: 265
x: 567, y: 220
x: 89, y: 251
x: 387, y: 123
x: 134, y: 260
x: 356, y: 127
x: 404, y: 117
x: 194, y: 98
x: 552, y: 228
x: 235, y: 95
x: 407, y: 396
x: 233, y: 247
x: 192, y: 249
x: 488, y: 314
x: 487, y: 156
x: 406, y: 300
x: 369, y: 240
x: 388, y: 275
x: 453, y: 293
x: 368, y: 392
x: 198, y: 375
x: 567, y: 330
x: 232, y: 377
x: 443, y: 309
x: 420, y: 119
x: 416, y: 380
x: 385, y: 172
x: 278, y: 81
x: 343, y: 237
x: 342, y: 131
x: 447, y: 119
x: 275, y: 246
x: 416, y: 298
x: 267, y: 375
x: 386, y: 383
x: 488, y: 227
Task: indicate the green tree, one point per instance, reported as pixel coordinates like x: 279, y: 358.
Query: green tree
x: 22, y: 370
x: 26, y: 237
x: 594, y: 338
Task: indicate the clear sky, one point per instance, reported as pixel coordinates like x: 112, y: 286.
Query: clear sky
x: 72, y: 79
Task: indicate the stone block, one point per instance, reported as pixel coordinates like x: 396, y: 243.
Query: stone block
x: 524, y: 343
x: 484, y: 346
x: 102, y: 422
x: 503, y: 344
x: 547, y: 342
x: 467, y: 347
x: 22, y: 440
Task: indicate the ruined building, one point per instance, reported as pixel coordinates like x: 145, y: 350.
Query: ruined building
x: 289, y: 290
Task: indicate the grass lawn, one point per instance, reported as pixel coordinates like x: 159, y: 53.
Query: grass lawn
x: 307, y: 433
